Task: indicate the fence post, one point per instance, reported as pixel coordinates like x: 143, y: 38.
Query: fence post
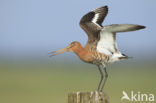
x: 88, y: 97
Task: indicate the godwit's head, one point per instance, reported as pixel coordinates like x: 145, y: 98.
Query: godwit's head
x: 73, y: 47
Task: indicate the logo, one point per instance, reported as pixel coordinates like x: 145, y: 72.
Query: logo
x: 137, y: 96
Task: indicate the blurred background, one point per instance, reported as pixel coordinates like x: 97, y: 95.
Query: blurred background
x: 30, y: 29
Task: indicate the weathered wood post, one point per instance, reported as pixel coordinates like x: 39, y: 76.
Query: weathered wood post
x: 88, y: 97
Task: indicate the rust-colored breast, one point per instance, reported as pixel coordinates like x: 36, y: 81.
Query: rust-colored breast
x: 89, y: 54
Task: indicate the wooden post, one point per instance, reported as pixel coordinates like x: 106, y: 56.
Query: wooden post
x: 88, y: 97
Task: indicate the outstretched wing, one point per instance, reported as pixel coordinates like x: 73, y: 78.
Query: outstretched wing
x: 107, y: 42
x: 122, y: 27
x: 91, y: 23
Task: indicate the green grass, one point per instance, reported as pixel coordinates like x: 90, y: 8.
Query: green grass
x: 51, y: 83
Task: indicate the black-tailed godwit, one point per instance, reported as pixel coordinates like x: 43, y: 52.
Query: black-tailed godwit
x: 101, y: 48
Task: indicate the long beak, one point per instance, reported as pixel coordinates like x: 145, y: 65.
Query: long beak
x: 57, y: 52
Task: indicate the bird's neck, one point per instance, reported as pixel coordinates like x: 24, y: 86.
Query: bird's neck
x: 80, y: 51
x: 84, y: 54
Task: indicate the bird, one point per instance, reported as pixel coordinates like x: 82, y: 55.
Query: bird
x: 101, y: 48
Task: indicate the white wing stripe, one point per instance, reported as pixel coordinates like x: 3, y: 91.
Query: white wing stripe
x: 94, y: 20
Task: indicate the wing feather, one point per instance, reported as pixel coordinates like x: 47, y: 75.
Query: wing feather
x: 123, y: 27
x: 107, y: 42
x: 91, y: 23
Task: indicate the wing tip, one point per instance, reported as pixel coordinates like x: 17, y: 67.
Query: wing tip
x: 141, y: 27
x: 101, y: 8
x: 106, y: 6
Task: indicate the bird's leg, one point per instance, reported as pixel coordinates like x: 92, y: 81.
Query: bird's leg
x: 106, y: 76
x: 101, y: 73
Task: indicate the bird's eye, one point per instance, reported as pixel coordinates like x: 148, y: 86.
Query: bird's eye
x: 72, y: 44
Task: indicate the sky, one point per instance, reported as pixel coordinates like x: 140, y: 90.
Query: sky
x: 32, y: 28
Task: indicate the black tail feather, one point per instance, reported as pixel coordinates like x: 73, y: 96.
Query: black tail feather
x: 125, y: 57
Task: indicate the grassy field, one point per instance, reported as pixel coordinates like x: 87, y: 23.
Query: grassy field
x: 51, y: 82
